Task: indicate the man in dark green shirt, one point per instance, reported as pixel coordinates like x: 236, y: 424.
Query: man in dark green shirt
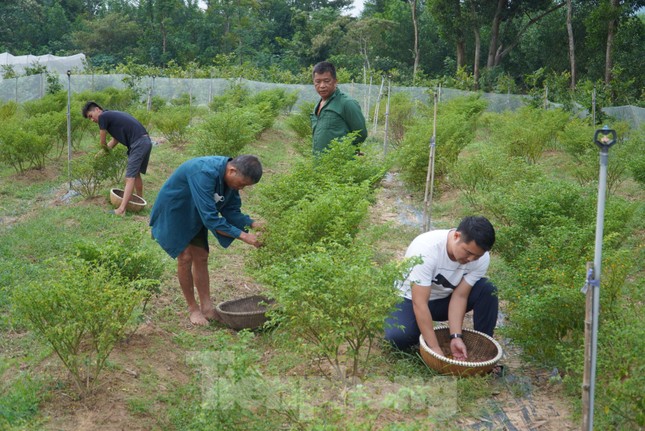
x: 336, y: 114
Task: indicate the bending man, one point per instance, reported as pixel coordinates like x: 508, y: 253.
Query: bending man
x: 126, y: 129
x: 203, y: 195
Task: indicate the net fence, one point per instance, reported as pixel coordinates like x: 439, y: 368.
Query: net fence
x: 203, y: 90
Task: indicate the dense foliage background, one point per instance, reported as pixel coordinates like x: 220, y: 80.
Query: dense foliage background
x: 496, y: 46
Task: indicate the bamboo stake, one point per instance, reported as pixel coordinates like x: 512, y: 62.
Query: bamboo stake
x: 387, y: 117
x: 427, y: 201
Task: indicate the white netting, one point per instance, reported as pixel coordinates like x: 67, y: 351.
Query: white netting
x: 53, y: 63
x: 202, y: 91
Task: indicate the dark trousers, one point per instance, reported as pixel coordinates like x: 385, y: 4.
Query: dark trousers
x: 401, y: 327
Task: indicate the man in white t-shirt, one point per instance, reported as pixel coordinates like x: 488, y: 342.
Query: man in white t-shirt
x: 449, y: 283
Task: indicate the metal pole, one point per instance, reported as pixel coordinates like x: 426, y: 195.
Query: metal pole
x: 604, y: 138
x: 427, y: 201
x: 69, y: 128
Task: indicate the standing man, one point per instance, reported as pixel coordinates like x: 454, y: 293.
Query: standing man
x: 336, y: 114
x: 445, y: 286
x: 203, y: 195
x: 126, y: 129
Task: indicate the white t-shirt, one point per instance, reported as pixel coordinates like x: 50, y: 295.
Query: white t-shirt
x: 437, y: 270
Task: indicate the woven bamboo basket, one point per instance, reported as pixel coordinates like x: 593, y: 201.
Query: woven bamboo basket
x: 483, y: 353
x: 244, y: 313
x: 136, y: 203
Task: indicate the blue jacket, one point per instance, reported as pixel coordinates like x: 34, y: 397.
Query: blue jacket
x: 196, y: 196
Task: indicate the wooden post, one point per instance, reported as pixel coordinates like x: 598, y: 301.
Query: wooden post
x: 586, y: 378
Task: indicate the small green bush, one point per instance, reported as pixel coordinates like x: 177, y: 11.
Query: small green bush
x: 22, y: 149
x: 529, y: 132
x: 456, y: 120
x: 172, y: 123
x: 81, y: 311
x: 336, y: 298
x: 338, y: 165
x: 128, y: 259
x: 226, y: 132
x: 577, y: 140
x: 8, y: 109
x: 332, y: 214
x: 91, y: 171
x: 277, y: 98
x: 235, y: 97
x: 401, y: 114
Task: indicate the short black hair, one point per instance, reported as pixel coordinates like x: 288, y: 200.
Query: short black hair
x: 478, y: 229
x: 249, y: 166
x: 324, y: 67
x: 90, y: 106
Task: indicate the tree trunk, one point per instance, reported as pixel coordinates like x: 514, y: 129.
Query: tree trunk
x: 572, y: 46
x: 415, y: 25
x: 476, y: 59
x: 494, y: 33
x: 611, y: 30
x: 461, y: 53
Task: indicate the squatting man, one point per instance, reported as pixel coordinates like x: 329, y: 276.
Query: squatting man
x: 447, y: 284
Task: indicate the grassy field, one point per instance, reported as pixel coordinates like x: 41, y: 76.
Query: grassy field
x: 168, y: 375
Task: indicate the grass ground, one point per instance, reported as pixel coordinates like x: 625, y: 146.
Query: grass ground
x: 157, y: 378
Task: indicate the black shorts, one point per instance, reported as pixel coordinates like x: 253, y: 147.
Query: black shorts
x: 201, y: 239
x: 138, y: 157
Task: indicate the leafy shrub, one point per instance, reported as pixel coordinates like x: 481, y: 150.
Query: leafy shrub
x: 184, y: 99
x: 479, y: 172
x: 49, y: 103
x: 226, y: 132
x: 277, y: 98
x: 338, y: 165
x: 528, y: 132
x: 90, y: 171
x: 401, y: 114
x: 300, y: 122
x: 336, y: 298
x: 8, y: 109
x: 173, y: 124
x: 525, y: 210
x: 22, y: 149
x: 128, y: 259
x: 332, y: 214
x: 234, y: 97
x: 51, y: 126
x: 577, y: 140
x: 81, y: 311
x: 456, y: 120
x: 560, y: 312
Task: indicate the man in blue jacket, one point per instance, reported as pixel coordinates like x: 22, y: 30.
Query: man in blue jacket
x: 336, y: 114
x: 203, y: 195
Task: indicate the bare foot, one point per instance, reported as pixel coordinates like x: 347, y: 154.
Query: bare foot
x: 119, y: 212
x: 211, y: 314
x: 197, y: 318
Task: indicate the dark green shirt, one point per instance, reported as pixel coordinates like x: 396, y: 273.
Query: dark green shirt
x: 340, y: 115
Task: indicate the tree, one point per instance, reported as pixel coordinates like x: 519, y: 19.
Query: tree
x: 572, y: 48
x: 415, y: 25
x: 505, y: 12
